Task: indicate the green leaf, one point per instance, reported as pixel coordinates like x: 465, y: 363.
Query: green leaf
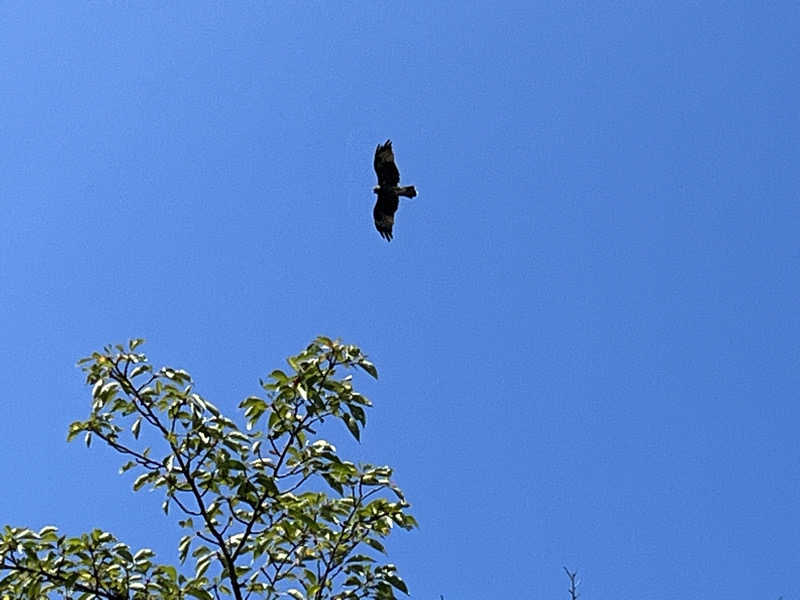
x: 375, y: 544
x: 369, y: 368
x: 358, y: 413
x: 142, y: 479
x: 138, y: 370
x: 409, y: 522
x: 212, y: 409
x: 137, y: 424
x: 352, y: 426
x: 143, y: 554
x: 279, y: 376
x: 200, y: 594
x: 360, y: 558
x: 183, y: 547
x: 74, y: 429
x: 124, y: 553
x: 202, y: 565
x: 335, y: 485
x: 274, y: 418
x: 397, y: 583
x: 47, y: 530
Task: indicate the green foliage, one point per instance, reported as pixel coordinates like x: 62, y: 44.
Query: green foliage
x: 92, y: 565
x: 269, y: 511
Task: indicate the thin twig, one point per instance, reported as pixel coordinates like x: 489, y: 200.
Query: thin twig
x: 573, y: 583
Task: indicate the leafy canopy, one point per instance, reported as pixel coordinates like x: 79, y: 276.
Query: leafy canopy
x: 269, y: 511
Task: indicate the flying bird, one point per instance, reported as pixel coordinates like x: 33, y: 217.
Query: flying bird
x: 388, y: 190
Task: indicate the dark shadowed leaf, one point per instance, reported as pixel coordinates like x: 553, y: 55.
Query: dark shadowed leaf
x: 397, y: 583
x: 352, y: 425
x: 372, y: 542
x: 369, y: 368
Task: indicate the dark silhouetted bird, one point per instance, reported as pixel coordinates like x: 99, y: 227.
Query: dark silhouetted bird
x: 388, y: 190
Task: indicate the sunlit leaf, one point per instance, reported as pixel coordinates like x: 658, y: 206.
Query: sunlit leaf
x: 137, y: 424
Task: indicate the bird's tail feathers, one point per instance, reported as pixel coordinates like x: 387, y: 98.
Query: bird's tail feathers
x: 409, y: 191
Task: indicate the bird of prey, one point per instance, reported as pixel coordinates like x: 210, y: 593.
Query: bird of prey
x: 388, y: 190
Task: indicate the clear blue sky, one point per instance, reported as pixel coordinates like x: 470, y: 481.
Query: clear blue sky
x: 586, y: 326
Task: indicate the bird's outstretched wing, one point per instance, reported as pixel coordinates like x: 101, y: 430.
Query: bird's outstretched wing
x: 383, y: 213
x: 385, y: 168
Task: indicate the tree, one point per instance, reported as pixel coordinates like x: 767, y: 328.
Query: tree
x: 270, y: 511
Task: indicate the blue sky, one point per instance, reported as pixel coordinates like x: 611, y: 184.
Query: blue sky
x: 586, y: 326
